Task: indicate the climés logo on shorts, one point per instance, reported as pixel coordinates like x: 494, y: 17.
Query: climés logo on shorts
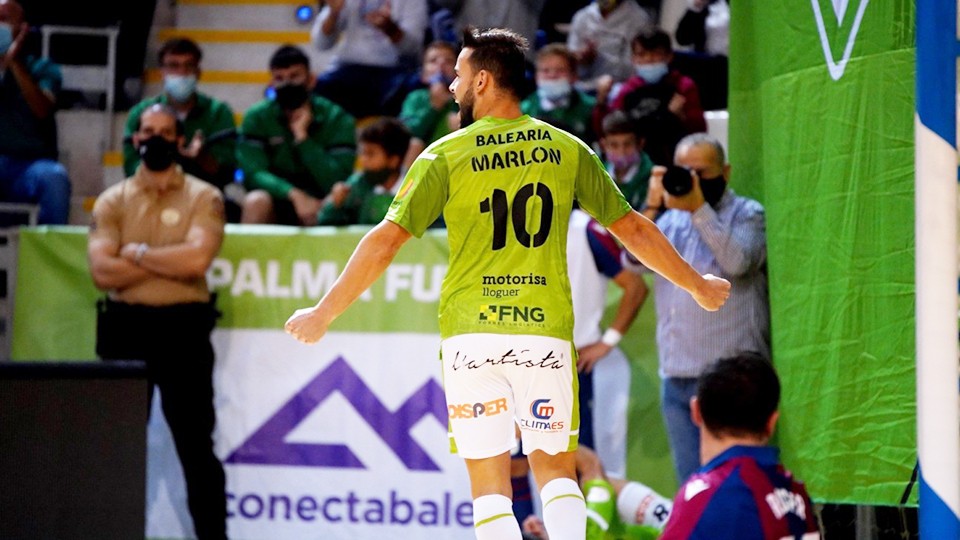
x: 473, y: 410
x: 541, y: 411
x: 519, y: 315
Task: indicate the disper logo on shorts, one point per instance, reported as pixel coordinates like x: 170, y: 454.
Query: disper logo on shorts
x: 268, y: 444
x: 474, y: 410
x: 511, y: 314
x: 540, y: 409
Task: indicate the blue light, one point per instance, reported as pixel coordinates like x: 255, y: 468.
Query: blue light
x: 270, y: 93
x: 304, y: 14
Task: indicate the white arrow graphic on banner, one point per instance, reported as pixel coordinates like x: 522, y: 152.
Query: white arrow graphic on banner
x: 839, y: 9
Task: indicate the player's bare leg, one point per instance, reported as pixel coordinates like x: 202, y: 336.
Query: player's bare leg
x: 493, y: 517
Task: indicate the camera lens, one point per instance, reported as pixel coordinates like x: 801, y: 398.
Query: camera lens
x: 677, y: 181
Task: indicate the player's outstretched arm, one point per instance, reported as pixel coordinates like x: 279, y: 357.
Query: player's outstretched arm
x: 645, y: 241
x: 373, y: 254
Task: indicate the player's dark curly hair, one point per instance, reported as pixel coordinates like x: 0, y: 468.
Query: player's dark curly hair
x: 500, y: 52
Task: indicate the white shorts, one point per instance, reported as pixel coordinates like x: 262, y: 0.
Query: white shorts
x: 496, y: 382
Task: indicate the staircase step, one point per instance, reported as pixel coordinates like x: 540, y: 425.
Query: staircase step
x: 264, y: 14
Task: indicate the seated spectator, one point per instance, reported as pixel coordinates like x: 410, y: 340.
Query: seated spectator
x: 556, y: 100
x: 741, y: 490
x: 600, y: 36
x: 706, y: 27
x: 664, y: 104
x: 376, y: 42
x: 624, y: 157
x: 293, y: 148
x: 366, y: 196
x: 523, y: 17
x: 210, y: 150
x: 430, y: 112
x: 29, y: 172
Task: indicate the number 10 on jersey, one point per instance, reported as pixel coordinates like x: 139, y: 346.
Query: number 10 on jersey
x: 516, y: 211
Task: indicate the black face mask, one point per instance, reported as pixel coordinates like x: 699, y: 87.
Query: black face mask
x: 157, y: 153
x: 713, y: 189
x: 377, y: 177
x: 291, y: 96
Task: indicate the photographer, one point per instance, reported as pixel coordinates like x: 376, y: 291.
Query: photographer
x: 721, y: 233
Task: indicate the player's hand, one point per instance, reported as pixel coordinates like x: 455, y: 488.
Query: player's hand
x: 588, y: 355
x: 712, y: 292
x: 307, y: 325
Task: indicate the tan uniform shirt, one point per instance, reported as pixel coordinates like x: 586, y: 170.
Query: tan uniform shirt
x: 134, y: 211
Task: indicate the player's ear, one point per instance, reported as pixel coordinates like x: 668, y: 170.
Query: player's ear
x: 695, y: 412
x: 482, y: 81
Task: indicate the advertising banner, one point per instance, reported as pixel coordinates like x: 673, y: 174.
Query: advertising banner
x: 821, y: 132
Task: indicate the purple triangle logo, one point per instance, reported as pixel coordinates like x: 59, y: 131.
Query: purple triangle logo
x: 267, y: 445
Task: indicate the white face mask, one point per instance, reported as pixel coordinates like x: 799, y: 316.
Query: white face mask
x: 652, y: 73
x: 554, y: 90
x: 180, y: 87
x: 6, y: 37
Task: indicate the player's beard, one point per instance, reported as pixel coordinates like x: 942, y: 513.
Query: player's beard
x: 466, y: 108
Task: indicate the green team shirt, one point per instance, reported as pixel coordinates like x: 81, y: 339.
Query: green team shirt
x: 506, y: 188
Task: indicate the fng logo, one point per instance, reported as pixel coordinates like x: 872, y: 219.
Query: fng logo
x: 540, y: 410
x: 514, y: 314
x: 267, y: 445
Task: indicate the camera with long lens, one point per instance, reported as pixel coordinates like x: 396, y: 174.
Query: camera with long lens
x: 677, y: 181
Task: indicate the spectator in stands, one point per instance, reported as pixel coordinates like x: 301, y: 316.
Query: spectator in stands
x: 210, y: 150
x: 742, y: 490
x: 365, y: 197
x: 431, y: 112
x: 294, y: 147
x: 723, y: 233
x: 376, y: 42
x: 706, y: 27
x: 556, y: 100
x: 152, y: 239
x: 624, y: 157
x: 600, y: 37
x: 521, y: 16
x: 664, y: 104
x: 29, y: 172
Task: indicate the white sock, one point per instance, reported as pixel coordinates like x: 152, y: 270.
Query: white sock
x: 564, y: 511
x: 640, y: 505
x: 493, y: 518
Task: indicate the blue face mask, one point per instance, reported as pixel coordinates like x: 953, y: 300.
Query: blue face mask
x: 652, y: 73
x: 554, y: 90
x: 6, y: 37
x: 180, y: 87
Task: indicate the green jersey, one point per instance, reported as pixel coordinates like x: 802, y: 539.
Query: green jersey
x: 506, y: 188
